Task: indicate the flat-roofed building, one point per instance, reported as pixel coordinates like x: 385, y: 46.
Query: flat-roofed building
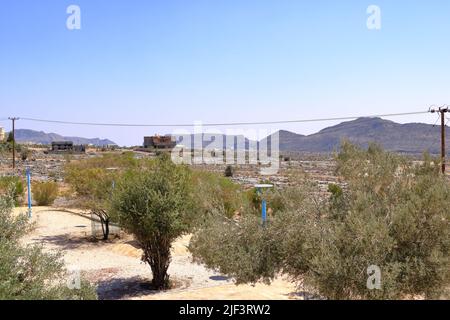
x: 67, y: 146
x: 159, y: 142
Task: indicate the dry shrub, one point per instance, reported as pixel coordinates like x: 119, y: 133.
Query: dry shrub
x: 45, y: 193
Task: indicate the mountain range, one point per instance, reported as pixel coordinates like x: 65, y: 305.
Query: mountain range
x: 406, y: 138
x: 40, y: 137
x: 414, y: 138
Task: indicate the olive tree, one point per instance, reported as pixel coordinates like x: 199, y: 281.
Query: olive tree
x: 387, y: 212
x: 154, y: 203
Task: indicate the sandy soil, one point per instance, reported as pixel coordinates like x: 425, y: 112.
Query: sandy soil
x: 115, y: 266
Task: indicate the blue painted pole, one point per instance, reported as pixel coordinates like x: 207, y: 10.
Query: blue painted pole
x: 29, y: 191
x: 264, y: 213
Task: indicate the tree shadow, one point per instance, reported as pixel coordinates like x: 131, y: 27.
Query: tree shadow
x: 67, y: 241
x: 126, y: 288
x: 121, y: 288
x: 304, y: 295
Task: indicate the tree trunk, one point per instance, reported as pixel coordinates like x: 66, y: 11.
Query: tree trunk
x: 157, y: 255
x: 105, y: 229
x: 160, y: 279
x: 104, y: 221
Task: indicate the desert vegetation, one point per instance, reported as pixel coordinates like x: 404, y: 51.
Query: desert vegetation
x: 45, y: 193
x: 93, y: 180
x: 390, y: 213
x: 14, y: 186
x: 27, y: 272
x: 381, y: 210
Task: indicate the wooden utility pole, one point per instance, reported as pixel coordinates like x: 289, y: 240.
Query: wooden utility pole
x: 442, y: 111
x: 14, y: 140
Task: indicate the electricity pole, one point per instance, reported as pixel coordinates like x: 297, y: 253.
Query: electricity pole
x: 13, y: 140
x: 442, y: 111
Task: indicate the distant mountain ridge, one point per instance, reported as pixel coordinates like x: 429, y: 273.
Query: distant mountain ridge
x: 40, y: 137
x: 407, y: 138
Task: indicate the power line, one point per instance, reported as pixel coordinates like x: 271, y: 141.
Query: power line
x: 431, y: 132
x: 221, y: 124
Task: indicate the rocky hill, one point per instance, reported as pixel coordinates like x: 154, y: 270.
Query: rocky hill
x: 40, y: 137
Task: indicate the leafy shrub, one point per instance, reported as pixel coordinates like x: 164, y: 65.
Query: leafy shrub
x: 213, y: 191
x: 243, y: 249
x: 229, y: 171
x: 24, y: 154
x: 45, y: 193
x: 391, y: 213
x: 27, y: 272
x: 14, y: 185
x: 154, y: 203
x: 273, y: 196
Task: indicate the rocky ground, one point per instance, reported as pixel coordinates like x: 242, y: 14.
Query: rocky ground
x: 50, y: 167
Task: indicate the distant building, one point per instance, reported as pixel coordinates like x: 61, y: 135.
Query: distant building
x: 159, y: 142
x: 67, y: 147
x: 2, y: 134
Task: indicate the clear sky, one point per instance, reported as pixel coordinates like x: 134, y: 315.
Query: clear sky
x: 219, y: 61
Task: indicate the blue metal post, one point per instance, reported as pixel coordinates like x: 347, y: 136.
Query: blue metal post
x: 29, y: 191
x: 264, y: 213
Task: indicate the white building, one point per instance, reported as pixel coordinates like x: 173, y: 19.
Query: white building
x: 2, y: 134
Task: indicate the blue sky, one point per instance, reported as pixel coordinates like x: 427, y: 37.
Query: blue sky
x: 219, y: 61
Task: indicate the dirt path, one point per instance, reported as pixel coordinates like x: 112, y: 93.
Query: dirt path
x: 116, y: 269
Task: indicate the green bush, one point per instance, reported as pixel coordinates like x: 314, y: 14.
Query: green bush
x: 391, y: 213
x: 228, y: 171
x: 24, y: 153
x: 243, y: 249
x: 274, y: 198
x: 155, y: 204
x: 45, y: 193
x: 28, y: 272
x: 213, y: 191
x: 14, y: 185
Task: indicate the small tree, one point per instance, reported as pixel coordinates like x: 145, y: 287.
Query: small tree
x: 93, y: 187
x: 93, y: 182
x: 154, y: 203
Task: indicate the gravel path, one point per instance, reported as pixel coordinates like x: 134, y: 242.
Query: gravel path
x: 115, y: 266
